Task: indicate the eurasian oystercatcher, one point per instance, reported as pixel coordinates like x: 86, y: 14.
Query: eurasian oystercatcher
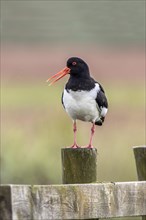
x: 83, y: 98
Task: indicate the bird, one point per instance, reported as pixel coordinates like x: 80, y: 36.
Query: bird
x: 83, y: 98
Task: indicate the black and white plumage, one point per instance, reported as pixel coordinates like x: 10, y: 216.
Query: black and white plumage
x: 83, y: 98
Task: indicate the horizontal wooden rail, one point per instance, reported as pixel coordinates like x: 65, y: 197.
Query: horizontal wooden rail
x: 73, y: 201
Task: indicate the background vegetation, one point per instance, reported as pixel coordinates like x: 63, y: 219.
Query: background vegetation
x: 37, y: 39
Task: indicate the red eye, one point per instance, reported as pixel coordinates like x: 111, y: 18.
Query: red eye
x: 74, y: 63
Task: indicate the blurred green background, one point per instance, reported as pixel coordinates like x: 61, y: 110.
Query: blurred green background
x: 37, y: 39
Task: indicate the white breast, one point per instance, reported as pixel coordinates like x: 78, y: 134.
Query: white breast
x: 82, y: 104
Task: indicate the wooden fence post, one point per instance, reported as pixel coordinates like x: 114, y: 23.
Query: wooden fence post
x: 79, y: 165
x: 140, y: 158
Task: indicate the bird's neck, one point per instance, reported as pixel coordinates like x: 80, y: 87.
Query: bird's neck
x: 80, y: 83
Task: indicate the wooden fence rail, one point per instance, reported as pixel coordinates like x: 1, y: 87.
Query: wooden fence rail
x: 73, y: 201
x: 77, y: 201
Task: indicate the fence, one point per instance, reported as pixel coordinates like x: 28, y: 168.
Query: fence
x: 80, y: 197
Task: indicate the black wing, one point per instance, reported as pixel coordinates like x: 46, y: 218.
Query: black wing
x: 101, y: 98
x: 102, y: 104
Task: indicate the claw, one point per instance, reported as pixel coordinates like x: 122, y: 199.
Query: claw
x: 90, y: 146
x: 75, y: 146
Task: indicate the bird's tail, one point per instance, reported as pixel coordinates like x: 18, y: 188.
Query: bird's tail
x: 100, y: 121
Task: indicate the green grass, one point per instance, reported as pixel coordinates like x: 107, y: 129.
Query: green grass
x: 35, y: 127
x: 28, y: 95
x: 31, y: 95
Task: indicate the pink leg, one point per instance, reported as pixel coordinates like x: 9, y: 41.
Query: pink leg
x: 75, y: 130
x: 91, y: 137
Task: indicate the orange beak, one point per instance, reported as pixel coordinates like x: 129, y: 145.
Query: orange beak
x: 59, y: 75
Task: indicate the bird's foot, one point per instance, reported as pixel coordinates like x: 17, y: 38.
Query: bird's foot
x: 90, y: 146
x: 75, y: 146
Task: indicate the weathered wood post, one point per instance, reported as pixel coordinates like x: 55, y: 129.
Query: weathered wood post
x: 140, y: 158
x: 79, y: 165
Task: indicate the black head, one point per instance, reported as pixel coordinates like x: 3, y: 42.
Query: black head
x: 78, y: 67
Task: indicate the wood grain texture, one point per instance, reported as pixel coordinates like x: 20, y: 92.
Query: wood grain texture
x: 140, y: 159
x: 5, y: 203
x: 75, y: 201
x: 79, y: 165
x: 22, y: 202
